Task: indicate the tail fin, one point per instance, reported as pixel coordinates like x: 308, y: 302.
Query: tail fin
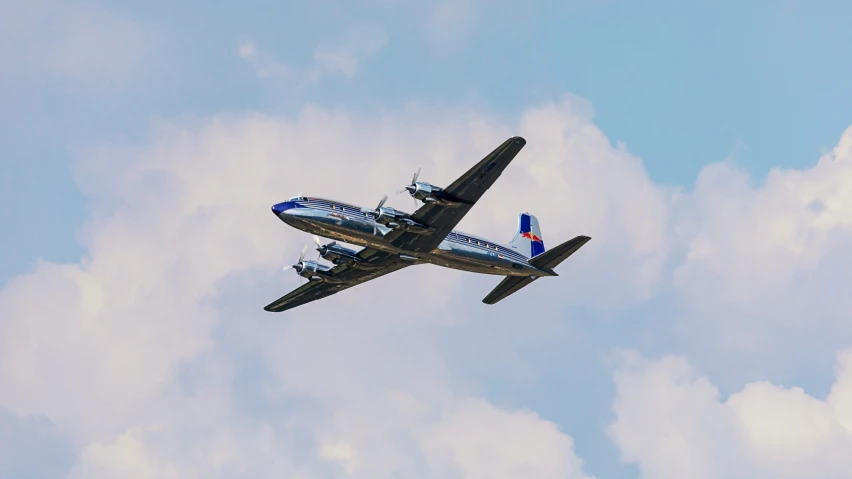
x: 528, y: 240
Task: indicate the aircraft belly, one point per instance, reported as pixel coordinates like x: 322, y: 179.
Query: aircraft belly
x: 355, y: 230
x: 473, y: 261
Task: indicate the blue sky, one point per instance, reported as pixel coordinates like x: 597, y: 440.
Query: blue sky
x: 681, y: 84
x: 706, y: 272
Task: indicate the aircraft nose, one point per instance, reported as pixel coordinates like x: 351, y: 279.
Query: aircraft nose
x: 279, y: 208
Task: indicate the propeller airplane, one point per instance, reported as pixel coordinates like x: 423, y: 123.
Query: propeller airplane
x: 391, y: 239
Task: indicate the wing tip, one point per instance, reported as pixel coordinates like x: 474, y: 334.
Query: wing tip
x: 273, y: 308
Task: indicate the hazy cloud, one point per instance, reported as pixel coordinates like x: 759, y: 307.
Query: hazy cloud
x: 448, y: 22
x: 345, y: 54
x: 82, y: 43
x: 98, y: 45
x: 340, y: 56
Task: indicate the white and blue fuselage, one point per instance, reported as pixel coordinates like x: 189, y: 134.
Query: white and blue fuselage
x: 350, y: 224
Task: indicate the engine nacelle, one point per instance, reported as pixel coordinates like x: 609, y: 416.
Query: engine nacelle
x: 423, y: 191
x: 388, y: 216
x: 313, y: 271
x: 429, y: 193
x: 306, y: 269
x: 392, y: 218
x: 337, y: 254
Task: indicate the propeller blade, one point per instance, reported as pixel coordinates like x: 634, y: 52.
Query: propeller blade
x: 302, y: 256
x: 317, y: 240
x: 416, y: 175
x: 382, y: 202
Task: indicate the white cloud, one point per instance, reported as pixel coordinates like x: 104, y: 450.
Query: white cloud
x: 484, y: 442
x: 126, y: 456
x: 133, y: 355
x: 143, y: 346
x: 757, y: 239
x: 344, y: 56
x: 673, y: 423
x: 341, y: 452
x: 767, y: 262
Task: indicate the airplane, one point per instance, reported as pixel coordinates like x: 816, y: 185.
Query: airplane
x: 392, y: 240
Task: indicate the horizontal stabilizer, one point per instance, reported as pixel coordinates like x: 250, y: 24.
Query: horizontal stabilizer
x: 551, y: 258
x: 506, y: 287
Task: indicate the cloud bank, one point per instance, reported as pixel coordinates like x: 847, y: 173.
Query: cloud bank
x: 153, y: 358
x: 673, y: 423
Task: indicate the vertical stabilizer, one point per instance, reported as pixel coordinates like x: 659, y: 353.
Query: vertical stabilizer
x: 527, y: 240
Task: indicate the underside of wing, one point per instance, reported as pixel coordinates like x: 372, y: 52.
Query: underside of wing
x: 343, y: 277
x: 465, y: 191
x: 508, y: 286
x: 310, y: 291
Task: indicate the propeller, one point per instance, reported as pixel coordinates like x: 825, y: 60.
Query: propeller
x: 413, y: 186
x: 382, y: 202
x: 299, y: 265
x: 377, y: 211
x: 410, y: 189
x: 322, y: 248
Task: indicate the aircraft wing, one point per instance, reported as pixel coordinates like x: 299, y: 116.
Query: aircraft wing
x: 381, y: 263
x: 468, y: 188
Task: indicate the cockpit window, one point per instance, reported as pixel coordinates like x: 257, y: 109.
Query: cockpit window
x: 298, y: 198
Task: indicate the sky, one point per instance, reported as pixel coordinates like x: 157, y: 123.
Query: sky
x: 703, y: 332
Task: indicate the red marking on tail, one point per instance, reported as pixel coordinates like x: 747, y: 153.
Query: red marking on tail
x: 531, y: 236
